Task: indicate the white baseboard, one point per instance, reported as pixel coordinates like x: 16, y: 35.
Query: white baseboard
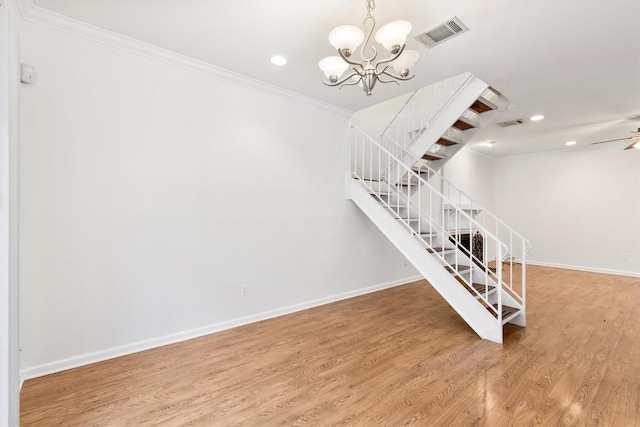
x: 588, y: 269
x: 110, y: 353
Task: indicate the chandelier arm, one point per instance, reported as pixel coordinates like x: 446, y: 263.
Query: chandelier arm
x: 394, y: 75
x: 387, y: 81
x: 369, y: 31
x: 383, y: 71
x: 341, y: 81
x: 348, y: 84
x: 349, y: 61
x: 391, y: 58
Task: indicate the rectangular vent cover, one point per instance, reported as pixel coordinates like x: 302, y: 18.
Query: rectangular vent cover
x: 511, y: 123
x: 440, y: 33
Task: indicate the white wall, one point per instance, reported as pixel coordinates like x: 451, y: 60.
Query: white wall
x: 579, y: 207
x: 151, y: 194
x: 473, y: 173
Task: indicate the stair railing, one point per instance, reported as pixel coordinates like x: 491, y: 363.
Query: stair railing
x: 517, y: 246
x: 432, y: 218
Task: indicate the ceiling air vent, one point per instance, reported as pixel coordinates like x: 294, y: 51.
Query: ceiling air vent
x: 442, y: 32
x: 511, y: 123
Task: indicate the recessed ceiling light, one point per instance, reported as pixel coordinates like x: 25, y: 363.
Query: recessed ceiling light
x: 489, y: 144
x: 537, y: 117
x: 278, y: 60
x: 570, y: 143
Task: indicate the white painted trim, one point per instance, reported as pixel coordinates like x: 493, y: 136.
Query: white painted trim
x: 32, y: 13
x: 583, y: 268
x: 9, y: 281
x: 99, y: 356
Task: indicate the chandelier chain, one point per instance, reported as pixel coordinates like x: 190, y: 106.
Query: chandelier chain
x: 371, y: 5
x: 369, y: 25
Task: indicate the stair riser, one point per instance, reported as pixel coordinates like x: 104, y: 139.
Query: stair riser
x: 405, y: 213
x: 393, y: 199
x: 424, y: 227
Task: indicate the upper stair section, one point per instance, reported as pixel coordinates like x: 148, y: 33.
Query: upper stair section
x: 436, y: 121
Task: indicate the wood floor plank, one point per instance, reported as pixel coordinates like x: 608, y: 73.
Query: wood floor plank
x: 400, y: 356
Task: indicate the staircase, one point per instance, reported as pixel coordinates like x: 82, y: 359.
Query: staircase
x: 474, y: 260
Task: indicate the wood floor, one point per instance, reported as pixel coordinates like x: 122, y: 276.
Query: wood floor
x: 395, y: 357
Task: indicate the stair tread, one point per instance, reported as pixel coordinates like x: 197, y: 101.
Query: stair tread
x: 432, y: 250
x: 458, y: 268
x: 433, y: 156
x: 506, y: 311
x: 464, y: 123
x: 406, y: 179
x: 412, y: 219
x: 420, y: 170
x: 480, y: 288
x: 482, y: 105
x: 447, y: 140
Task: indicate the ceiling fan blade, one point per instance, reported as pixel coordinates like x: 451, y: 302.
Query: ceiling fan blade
x: 637, y: 141
x: 612, y: 140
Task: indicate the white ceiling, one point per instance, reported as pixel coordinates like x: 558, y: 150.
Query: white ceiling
x: 577, y: 62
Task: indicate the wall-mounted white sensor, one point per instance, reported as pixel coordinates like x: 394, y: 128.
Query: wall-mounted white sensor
x: 26, y: 73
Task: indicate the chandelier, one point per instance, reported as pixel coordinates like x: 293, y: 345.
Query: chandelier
x: 347, y: 38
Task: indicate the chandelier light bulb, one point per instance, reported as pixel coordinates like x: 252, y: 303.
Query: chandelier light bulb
x: 346, y: 38
x: 333, y: 67
x: 393, y: 35
x: 405, y: 62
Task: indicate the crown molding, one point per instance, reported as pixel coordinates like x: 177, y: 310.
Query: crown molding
x: 32, y: 13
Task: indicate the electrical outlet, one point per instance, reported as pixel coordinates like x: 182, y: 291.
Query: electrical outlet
x: 245, y: 290
x: 623, y: 256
